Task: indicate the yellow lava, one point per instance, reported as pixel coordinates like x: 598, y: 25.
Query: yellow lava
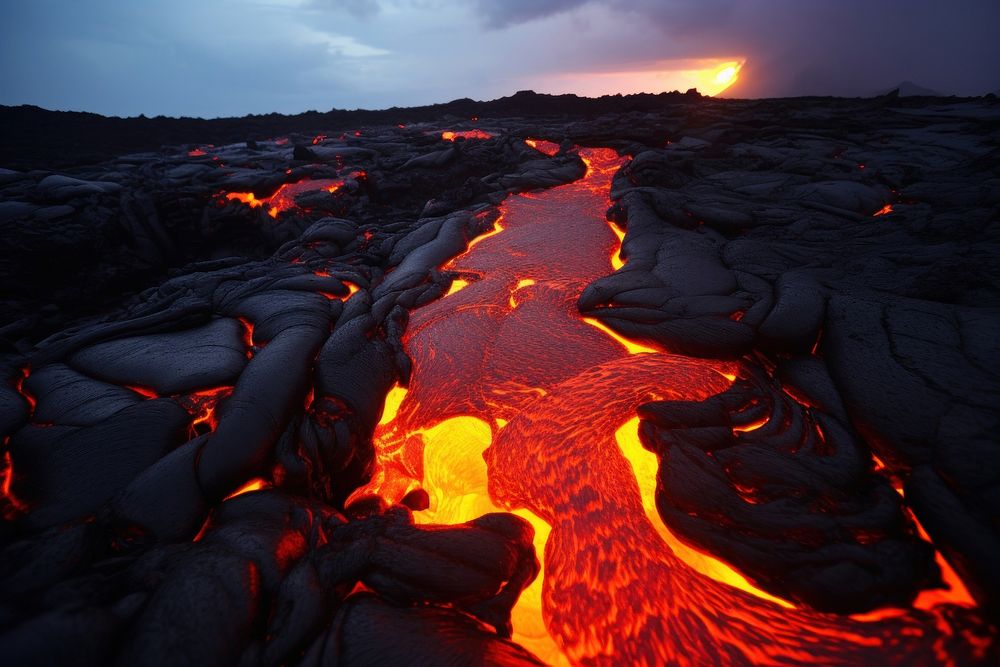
x: 497, y: 228
x: 457, y: 285
x: 616, y: 259
x: 521, y: 284
x: 644, y: 465
x: 455, y: 478
x: 633, y: 348
x: 392, y: 402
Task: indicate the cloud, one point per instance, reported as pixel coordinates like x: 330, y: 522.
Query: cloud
x: 503, y: 13
x: 341, y: 45
x: 797, y: 47
x: 255, y: 56
x: 675, y: 15
x: 365, y: 9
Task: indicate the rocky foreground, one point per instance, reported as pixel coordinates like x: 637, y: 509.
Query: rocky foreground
x: 184, y: 322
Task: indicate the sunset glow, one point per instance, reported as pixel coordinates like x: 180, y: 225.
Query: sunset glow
x: 727, y: 75
x: 709, y: 76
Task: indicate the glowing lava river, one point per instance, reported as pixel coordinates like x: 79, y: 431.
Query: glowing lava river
x: 516, y: 403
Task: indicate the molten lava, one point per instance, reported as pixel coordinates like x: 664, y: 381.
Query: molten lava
x: 518, y: 403
x: 284, y: 198
x: 550, y: 148
x: 448, y: 135
x: 201, y: 406
x: 885, y: 210
x: 351, y: 289
x: 25, y: 394
x: 253, y: 485
x: 10, y: 505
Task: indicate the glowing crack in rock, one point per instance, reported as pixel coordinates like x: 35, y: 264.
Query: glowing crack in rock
x: 284, y: 198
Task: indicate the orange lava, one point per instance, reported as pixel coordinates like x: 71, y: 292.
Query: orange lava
x: 29, y: 399
x: 518, y: 403
x: 11, y: 505
x: 145, y: 392
x: 201, y: 405
x: 616, y: 259
x: 247, y: 336
x: 284, y: 198
x: 448, y: 135
x: 253, y: 485
x: 351, y: 289
x: 885, y: 210
x: 550, y: 148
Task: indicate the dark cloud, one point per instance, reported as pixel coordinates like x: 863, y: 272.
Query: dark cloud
x: 683, y: 14
x: 503, y: 13
x: 256, y: 56
x: 803, y: 47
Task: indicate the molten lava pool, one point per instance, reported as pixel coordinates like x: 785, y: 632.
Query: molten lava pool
x: 518, y: 404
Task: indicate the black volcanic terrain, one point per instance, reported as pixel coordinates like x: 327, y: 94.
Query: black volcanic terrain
x: 202, y: 321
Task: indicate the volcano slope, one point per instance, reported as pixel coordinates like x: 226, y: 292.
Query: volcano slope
x: 731, y: 366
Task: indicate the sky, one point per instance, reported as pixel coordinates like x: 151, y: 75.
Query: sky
x: 213, y: 58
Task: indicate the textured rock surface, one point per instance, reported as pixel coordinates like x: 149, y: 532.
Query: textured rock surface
x: 844, y: 250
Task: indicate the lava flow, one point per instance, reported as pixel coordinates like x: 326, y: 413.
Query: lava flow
x: 506, y: 370
x: 449, y: 135
x: 284, y: 198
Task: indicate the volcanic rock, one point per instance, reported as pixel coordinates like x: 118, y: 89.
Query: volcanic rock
x: 195, y: 363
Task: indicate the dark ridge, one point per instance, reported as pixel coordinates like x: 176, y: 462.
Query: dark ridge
x: 34, y: 138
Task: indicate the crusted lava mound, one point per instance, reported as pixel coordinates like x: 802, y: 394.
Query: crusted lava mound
x: 199, y: 342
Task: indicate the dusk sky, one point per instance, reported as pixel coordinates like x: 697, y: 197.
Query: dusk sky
x: 233, y: 57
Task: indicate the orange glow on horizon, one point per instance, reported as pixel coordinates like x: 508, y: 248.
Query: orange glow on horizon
x: 727, y: 75
x: 709, y: 76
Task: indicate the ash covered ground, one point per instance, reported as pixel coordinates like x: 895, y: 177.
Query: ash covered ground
x: 229, y: 306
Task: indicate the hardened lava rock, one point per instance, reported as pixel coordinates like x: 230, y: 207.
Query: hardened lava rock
x: 271, y: 578
x: 786, y: 493
x: 198, y: 342
x: 176, y: 472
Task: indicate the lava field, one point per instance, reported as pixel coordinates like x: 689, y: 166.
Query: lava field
x: 656, y: 379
